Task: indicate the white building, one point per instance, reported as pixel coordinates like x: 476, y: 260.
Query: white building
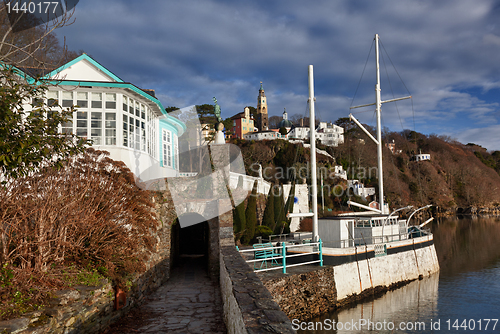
x: 421, y: 157
x: 359, y: 189
x: 119, y: 117
x: 328, y: 134
x: 263, y: 135
x: 301, y: 202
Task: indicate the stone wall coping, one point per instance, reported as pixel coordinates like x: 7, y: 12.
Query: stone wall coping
x: 261, y: 314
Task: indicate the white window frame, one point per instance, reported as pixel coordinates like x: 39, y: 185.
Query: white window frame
x: 167, y: 148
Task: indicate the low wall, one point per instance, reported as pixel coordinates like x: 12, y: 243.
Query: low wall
x: 308, y: 294
x: 85, y: 309
x: 356, y: 277
x: 248, y: 306
x: 304, y: 295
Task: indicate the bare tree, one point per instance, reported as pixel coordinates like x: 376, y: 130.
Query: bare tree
x: 274, y: 121
x: 36, y: 47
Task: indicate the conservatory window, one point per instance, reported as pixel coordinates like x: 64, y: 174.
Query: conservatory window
x: 81, y: 123
x: 67, y: 99
x: 96, y: 127
x: 67, y: 127
x: 167, y: 149
x: 96, y: 100
x: 52, y: 98
x: 131, y: 132
x: 125, y: 130
x: 131, y: 106
x: 125, y: 106
x: 82, y: 99
x: 110, y: 101
x: 143, y: 136
x: 110, y: 125
x: 137, y: 135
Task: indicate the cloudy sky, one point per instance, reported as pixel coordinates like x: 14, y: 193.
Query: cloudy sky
x: 445, y: 53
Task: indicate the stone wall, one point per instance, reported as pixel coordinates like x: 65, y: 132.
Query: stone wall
x: 302, y: 296
x: 248, y: 306
x: 311, y: 293
x: 91, y: 309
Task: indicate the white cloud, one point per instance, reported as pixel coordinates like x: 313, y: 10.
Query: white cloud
x: 487, y: 137
x: 192, y: 50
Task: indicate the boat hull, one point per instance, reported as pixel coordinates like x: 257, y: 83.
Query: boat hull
x: 357, y: 269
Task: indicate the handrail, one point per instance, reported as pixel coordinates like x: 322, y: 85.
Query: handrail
x: 282, y: 255
x: 374, y: 240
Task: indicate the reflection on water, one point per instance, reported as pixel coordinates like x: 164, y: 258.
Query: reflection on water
x: 466, y: 244
x: 466, y: 289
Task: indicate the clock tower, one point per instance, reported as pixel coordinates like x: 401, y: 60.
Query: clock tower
x: 262, y: 110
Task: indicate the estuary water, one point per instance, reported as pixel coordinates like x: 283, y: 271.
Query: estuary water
x: 463, y: 298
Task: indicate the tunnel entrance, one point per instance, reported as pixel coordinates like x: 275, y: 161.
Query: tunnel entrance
x: 191, y: 242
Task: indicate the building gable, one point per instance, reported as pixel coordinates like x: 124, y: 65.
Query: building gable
x: 83, y: 68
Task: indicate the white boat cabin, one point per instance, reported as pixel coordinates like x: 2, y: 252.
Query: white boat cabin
x: 352, y: 230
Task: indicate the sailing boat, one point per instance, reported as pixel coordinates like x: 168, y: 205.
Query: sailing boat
x: 369, y: 235
x: 368, y: 250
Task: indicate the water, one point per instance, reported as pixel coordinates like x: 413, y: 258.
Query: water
x: 459, y: 300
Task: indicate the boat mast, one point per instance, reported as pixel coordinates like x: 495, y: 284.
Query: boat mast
x: 378, y: 141
x: 312, y: 125
x: 378, y: 103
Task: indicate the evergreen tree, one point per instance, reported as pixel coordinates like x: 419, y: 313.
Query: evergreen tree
x: 279, y: 209
x: 290, y: 201
x: 268, y: 219
x: 251, y: 216
x: 31, y: 140
x: 239, y: 221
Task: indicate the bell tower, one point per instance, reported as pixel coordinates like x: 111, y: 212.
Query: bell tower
x: 262, y: 109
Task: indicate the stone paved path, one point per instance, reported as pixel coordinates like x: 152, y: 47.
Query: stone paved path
x: 188, y: 303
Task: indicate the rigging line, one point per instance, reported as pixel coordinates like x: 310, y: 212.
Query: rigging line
x: 395, y: 69
x: 400, y: 120
x: 297, y: 147
x: 361, y: 112
x: 390, y: 85
x: 364, y: 68
x: 418, y: 164
x: 396, y: 176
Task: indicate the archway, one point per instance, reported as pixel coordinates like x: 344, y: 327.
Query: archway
x: 191, y: 242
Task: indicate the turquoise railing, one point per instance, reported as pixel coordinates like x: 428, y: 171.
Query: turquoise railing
x: 280, y: 253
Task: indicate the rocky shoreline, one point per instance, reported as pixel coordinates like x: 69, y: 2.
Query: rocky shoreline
x: 469, y: 210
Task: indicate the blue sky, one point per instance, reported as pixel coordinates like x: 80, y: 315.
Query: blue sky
x: 447, y: 53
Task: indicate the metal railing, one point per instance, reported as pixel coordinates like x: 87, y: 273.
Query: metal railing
x: 285, y: 237
x: 374, y: 240
x: 281, y: 254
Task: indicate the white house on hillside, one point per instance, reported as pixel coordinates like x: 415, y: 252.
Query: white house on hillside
x: 119, y: 117
x: 327, y: 133
x: 421, y: 157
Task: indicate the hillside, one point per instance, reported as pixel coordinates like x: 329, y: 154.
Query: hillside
x: 456, y: 176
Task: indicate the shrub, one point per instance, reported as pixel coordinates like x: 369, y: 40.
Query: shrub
x: 263, y: 231
x: 251, y: 215
x: 305, y: 225
x: 90, y: 213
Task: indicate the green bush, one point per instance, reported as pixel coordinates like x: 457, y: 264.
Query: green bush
x: 263, y: 231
